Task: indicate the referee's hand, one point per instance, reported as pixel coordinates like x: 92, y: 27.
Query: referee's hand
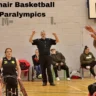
x: 54, y: 34
x: 33, y: 32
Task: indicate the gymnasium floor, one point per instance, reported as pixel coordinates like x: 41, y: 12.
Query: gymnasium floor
x: 63, y: 88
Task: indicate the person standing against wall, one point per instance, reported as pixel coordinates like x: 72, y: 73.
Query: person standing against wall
x: 44, y: 45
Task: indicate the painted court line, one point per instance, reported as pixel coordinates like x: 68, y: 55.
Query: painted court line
x: 77, y: 89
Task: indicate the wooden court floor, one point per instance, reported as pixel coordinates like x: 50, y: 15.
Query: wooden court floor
x: 63, y: 88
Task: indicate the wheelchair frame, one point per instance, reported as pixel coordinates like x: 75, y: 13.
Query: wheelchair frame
x: 6, y: 93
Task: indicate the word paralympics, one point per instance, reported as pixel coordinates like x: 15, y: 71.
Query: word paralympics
x: 28, y: 4
x: 22, y: 14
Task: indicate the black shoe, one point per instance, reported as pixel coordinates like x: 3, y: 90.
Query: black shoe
x: 52, y: 84
x: 44, y: 84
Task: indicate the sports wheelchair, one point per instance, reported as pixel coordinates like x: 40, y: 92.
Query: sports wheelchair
x: 10, y: 85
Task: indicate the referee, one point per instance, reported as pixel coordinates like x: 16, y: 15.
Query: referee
x: 44, y: 45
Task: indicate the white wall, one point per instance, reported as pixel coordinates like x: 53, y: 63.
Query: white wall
x: 70, y: 17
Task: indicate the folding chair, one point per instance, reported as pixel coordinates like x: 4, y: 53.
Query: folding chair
x: 26, y: 71
x: 34, y: 74
x: 83, y: 70
x: 53, y: 73
x: 25, y: 66
x: 8, y: 88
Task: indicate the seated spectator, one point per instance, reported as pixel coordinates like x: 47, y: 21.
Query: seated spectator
x: 36, y: 63
x: 87, y: 60
x: 58, y: 61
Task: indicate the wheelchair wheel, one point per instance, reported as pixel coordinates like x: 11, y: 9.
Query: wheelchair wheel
x: 17, y: 90
x: 10, y: 93
x: 7, y: 92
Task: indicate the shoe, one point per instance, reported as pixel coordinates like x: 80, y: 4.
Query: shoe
x: 88, y: 67
x: 58, y: 79
x: 44, y: 84
x: 68, y: 79
x: 40, y: 76
x: 52, y: 84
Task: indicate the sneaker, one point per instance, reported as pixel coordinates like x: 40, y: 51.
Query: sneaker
x: 44, y: 84
x: 68, y: 79
x: 52, y: 84
x: 58, y: 79
x: 40, y: 76
x: 88, y: 67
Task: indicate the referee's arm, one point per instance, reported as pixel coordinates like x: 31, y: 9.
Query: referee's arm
x: 31, y: 37
x: 56, y: 37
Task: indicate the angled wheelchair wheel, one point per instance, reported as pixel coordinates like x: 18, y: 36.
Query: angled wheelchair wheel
x: 10, y: 93
x: 17, y: 90
x: 7, y: 92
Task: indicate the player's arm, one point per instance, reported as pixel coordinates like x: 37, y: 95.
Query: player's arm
x: 93, y: 36
x: 90, y: 29
x: 0, y: 66
x: 0, y: 63
x: 18, y: 69
x: 31, y: 37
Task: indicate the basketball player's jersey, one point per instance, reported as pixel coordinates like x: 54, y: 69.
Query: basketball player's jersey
x: 9, y: 66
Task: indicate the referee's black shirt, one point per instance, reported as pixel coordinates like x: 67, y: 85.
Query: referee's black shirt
x: 44, y: 45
